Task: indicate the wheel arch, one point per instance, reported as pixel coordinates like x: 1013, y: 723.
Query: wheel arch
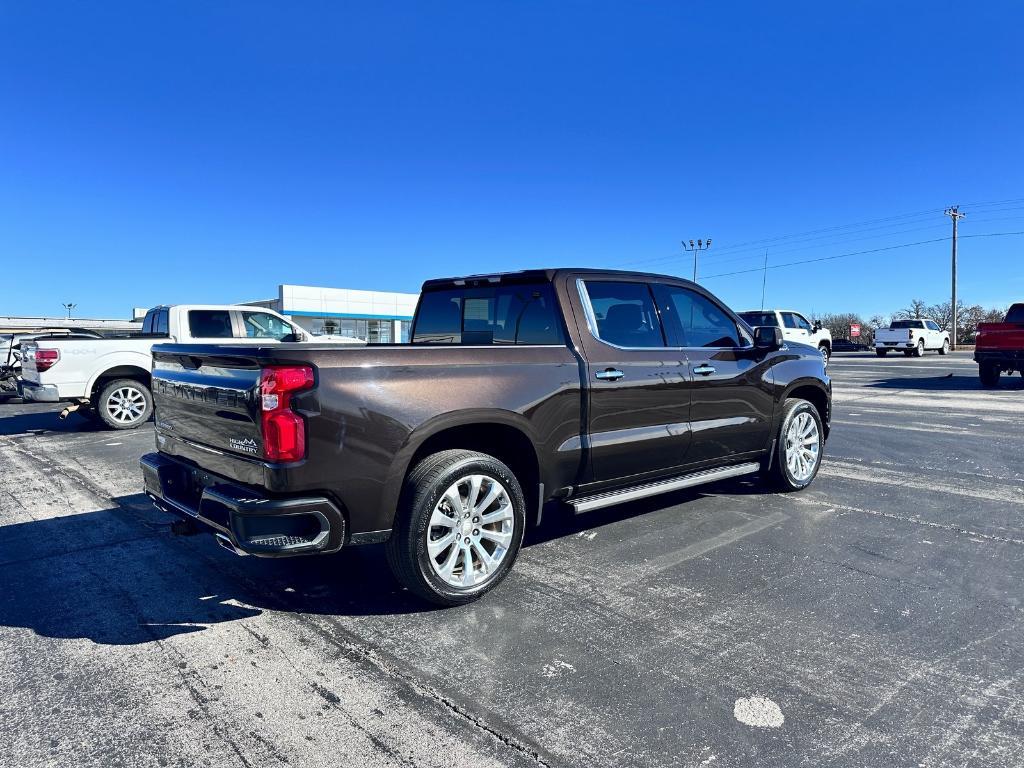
x: 505, y: 435
x: 815, y: 393
x: 125, y: 371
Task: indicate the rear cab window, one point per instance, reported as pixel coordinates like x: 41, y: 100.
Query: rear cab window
x: 904, y: 324
x: 490, y: 315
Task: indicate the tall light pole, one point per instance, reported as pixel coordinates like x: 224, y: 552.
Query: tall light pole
x: 69, y: 306
x: 954, y: 213
x: 695, y: 249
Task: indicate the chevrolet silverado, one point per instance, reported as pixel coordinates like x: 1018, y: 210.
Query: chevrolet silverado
x: 580, y: 388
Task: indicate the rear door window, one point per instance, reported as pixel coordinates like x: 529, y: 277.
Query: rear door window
x: 504, y: 314
x: 209, y: 324
x: 160, y: 325
x: 754, y: 319
x: 624, y: 314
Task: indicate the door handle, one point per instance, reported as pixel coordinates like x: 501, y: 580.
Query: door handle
x: 704, y: 369
x: 609, y: 374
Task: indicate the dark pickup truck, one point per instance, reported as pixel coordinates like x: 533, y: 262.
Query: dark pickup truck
x: 589, y: 388
x: 999, y: 347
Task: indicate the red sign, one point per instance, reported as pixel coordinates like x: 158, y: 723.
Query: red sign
x: 854, y: 331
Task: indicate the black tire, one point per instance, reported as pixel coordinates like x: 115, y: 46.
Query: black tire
x: 944, y: 349
x: 424, y: 488
x: 826, y: 351
x: 778, y: 474
x: 881, y: 352
x: 989, y: 375
x: 105, y: 405
x: 919, y: 349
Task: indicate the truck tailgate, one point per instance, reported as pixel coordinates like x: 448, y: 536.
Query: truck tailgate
x: 208, y: 398
x: 1008, y: 336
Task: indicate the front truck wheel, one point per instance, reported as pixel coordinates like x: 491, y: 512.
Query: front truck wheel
x: 881, y: 352
x: 124, y: 404
x: 989, y: 375
x: 458, y: 527
x: 799, y: 447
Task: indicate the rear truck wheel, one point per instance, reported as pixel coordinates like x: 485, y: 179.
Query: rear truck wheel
x: 458, y: 527
x: 124, y: 404
x: 826, y: 353
x: 919, y: 349
x: 944, y: 349
x: 881, y: 352
x: 798, y: 448
x: 989, y: 374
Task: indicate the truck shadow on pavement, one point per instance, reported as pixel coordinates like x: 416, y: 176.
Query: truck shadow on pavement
x: 118, y: 576
x: 45, y: 421
x: 946, y: 383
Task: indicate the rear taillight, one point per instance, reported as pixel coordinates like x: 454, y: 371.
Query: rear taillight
x: 911, y: 333
x: 284, y: 431
x: 46, y: 359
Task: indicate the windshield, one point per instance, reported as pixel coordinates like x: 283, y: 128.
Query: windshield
x: 754, y: 319
x: 904, y: 324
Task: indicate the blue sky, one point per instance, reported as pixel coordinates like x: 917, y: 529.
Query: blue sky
x: 172, y: 152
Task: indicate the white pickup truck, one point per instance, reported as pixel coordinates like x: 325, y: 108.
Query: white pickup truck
x: 795, y: 327
x: 912, y: 337
x: 109, y: 378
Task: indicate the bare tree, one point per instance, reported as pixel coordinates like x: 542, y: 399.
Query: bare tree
x: 915, y: 311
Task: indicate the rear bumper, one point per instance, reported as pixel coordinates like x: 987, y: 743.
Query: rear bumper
x: 39, y: 393
x: 1008, y: 359
x: 243, y: 519
x: 908, y: 344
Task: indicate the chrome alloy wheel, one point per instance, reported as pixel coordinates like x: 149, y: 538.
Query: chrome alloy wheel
x: 802, y: 447
x: 470, y: 531
x: 126, y: 405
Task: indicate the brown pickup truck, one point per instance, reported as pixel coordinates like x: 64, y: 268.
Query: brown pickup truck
x: 577, y: 388
x: 999, y: 347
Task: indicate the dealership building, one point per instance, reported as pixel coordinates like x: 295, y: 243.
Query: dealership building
x: 374, y: 316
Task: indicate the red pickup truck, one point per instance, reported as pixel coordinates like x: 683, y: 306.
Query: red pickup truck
x: 999, y: 347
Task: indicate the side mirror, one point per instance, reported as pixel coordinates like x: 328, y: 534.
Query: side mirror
x: 816, y: 328
x: 767, y: 338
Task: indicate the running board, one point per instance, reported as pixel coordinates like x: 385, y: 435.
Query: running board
x: 601, y: 500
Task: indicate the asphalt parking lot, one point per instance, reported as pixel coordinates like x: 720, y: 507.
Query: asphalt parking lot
x: 874, y: 619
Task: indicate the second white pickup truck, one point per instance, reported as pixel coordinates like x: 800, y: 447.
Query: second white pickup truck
x: 109, y: 378
x: 912, y: 337
x: 795, y: 327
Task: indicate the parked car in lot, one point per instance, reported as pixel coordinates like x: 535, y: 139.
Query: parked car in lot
x: 110, y: 377
x: 592, y: 388
x: 999, y: 347
x: 846, y: 345
x: 795, y: 327
x: 912, y: 337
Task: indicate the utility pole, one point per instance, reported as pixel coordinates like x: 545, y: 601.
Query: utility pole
x: 69, y: 306
x: 954, y: 213
x: 695, y: 249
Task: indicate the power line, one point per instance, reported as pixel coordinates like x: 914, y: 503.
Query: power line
x: 861, y: 253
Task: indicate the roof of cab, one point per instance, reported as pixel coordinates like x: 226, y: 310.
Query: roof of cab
x: 536, y: 275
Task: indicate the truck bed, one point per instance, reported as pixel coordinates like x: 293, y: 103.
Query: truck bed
x: 368, y: 411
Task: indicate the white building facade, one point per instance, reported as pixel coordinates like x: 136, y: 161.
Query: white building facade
x: 374, y: 316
